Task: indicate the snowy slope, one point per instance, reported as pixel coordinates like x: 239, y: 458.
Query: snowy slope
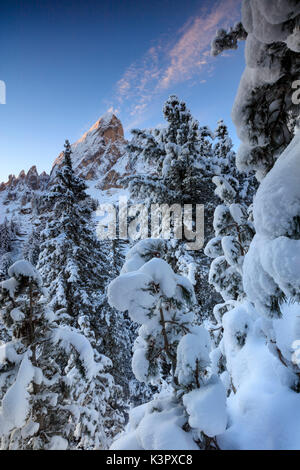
x: 98, y: 156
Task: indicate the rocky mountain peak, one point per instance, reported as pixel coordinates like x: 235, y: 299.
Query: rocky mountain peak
x: 98, y: 150
x: 109, y: 127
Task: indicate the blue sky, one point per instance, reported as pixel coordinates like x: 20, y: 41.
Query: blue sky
x: 65, y: 63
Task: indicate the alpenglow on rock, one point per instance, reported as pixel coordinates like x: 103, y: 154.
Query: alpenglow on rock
x: 97, y: 151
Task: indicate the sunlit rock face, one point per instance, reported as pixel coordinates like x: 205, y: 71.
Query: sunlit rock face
x: 96, y: 153
x: 99, y: 157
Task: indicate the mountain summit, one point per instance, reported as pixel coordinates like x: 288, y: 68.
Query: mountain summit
x: 98, y: 156
x: 98, y: 150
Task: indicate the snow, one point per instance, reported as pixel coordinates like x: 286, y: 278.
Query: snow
x: 264, y: 413
x: 10, y: 285
x: 266, y: 22
x: 213, y: 248
x: 263, y: 18
x: 161, y: 273
x: 106, y: 118
x: 29, y: 429
x: 127, y: 442
x: 129, y: 292
x: 293, y: 41
x: 221, y: 214
x: 15, y: 407
x: 273, y: 260
x: 142, y: 252
x: 57, y: 443
x: 67, y: 337
x: 8, y: 353
x: 232, y: 251
x: 238, y: 213
x: 222, y: 186
x: 277, y: 200
x: 17, y: 315
x: 207, y: 408
x: 156, y: 426
x: 132, y: 291
x: 140, y: 363
x: 25, y: 269
x: 192, y: 354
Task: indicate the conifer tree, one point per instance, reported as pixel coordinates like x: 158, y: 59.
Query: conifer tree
x: 234, y: 232
x: 52, y: 383
x: 31, y: 247
x: 180, y: 166
x: 169, y: 345
x: 272, y: 59
x: 5, y: 237
x: 75, y: 270
x: 266, y: 120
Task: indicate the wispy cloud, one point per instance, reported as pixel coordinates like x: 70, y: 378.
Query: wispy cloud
x: 183, y: 57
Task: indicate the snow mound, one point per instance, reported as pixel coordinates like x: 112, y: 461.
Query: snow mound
x: 25, y: 269
x: 156, y: 426
x: 207, y: 408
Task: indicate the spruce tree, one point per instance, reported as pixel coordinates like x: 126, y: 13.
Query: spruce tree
x: 264, y: 112
x: 169, y: 347
x: 266, y: 120
x: 52, y: 382
x: 180, y: 165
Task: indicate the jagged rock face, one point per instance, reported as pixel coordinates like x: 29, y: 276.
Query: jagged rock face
x: 19, y: 194
x: 32, y: 180
x: 97, y: 151
x: 99, y: 155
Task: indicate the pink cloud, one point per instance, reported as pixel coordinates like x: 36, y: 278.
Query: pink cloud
x: 183, y: 57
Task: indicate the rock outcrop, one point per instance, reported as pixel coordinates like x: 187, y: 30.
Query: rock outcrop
x: 96, y: 153
x: 98, y: 156
x: 32, y: 180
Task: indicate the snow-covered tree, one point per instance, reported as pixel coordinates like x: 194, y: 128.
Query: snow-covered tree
x: 264, y: 112
x: 234, y: 231
x: 176, y: 154
x: 5, y: 237
x: 31, y: 247
x: 225, y: 40
x: 266, y: 320
x: 7, y: 234
x: 272, y: 66
x: 179, y: 167
x: 232, y: 220
x: 75, y: 269
x: 52, y: 384
x: 168, y: 344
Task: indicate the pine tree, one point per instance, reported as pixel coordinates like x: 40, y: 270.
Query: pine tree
x: 180, y: 166
x: 7, y: 234
x: 168, y: 347
x: 75, y: 271
x: 266, y: 118
x: 31, y: 247
x: 52, y: 384
x: 175, y: 156
x: 234, y: 232
x: 5, y: 237
x: 226, y: 40
x: 272, y: 61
